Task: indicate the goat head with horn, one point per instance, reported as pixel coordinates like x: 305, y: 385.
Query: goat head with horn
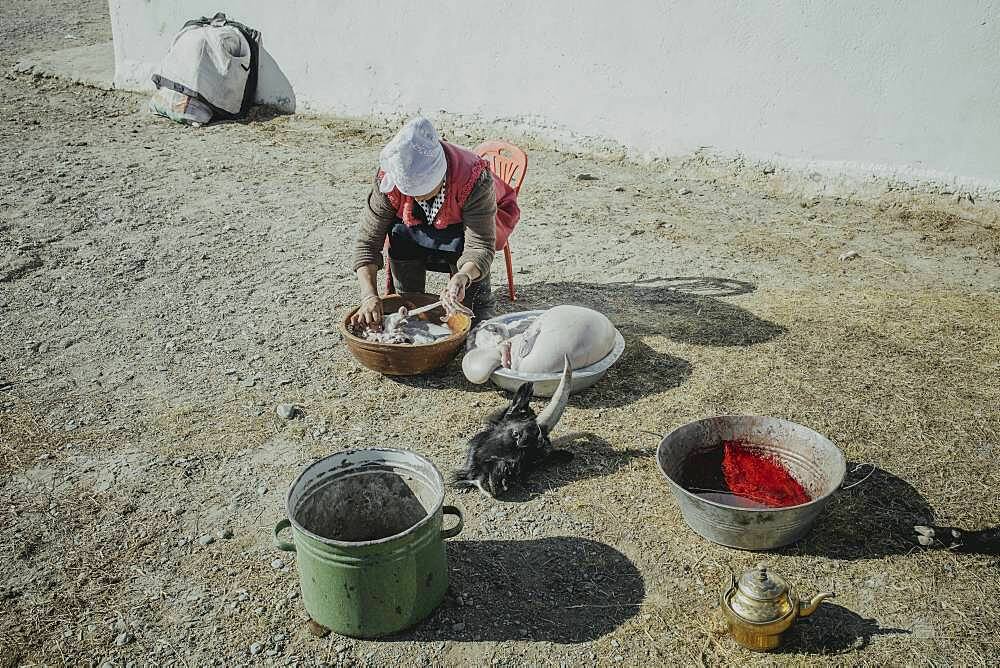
x: 514, y: 441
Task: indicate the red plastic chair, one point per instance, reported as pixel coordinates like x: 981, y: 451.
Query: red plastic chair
x: 509, y: 164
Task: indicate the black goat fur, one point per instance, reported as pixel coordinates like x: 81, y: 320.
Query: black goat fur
x: 985, y: 541
x: 508, y: 449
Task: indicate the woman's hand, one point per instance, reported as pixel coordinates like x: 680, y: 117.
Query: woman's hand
x: 369, y: 314
x: 454, y: 293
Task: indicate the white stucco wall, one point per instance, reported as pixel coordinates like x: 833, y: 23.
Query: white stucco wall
x: 909, y: 87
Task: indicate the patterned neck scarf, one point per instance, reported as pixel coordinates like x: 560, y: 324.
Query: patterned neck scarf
x: 431, y: 207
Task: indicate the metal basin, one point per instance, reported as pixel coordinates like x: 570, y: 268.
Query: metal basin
x: 545, y: 384
x: 811, y: 458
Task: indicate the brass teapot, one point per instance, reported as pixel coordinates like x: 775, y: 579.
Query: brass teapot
x: 761, y: 606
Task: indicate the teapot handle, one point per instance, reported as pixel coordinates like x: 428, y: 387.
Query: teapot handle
x: 806, y: 608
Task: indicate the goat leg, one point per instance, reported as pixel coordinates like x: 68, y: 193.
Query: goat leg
x: 986, y: 541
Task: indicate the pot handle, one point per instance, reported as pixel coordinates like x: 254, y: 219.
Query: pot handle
x: 280, y: 544
x: 452, y: 532
x: 865, y: 478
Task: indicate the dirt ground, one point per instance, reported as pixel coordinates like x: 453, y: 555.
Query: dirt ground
x: 163, y: 288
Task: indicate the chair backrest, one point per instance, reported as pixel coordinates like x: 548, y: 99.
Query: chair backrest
x: 507, y: 161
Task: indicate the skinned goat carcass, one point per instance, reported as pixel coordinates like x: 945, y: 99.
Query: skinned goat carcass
x: 401, y: 328
x: 582, y: 334
x: 515, y: 442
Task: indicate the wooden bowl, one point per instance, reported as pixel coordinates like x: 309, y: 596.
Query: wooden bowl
x: 400, y: 359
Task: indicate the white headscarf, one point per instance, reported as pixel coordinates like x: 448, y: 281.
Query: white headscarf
x: 414, y: 160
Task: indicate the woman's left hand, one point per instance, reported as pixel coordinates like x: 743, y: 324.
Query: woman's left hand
x: 454, y: 293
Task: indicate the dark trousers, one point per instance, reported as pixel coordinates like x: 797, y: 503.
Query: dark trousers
x: 414, y: 250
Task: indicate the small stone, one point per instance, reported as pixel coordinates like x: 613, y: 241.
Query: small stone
x: 206, y: 539
x: 849, y: 255
x: 286, y: 411
x: 123, y: 639
x: 71, y: 426
x: 585, y: 177
x: 227, y: 534
x: 277, y: 563
x: 316, y: 629
x: 278, y: 637
x: 45, y: 456
x: 685, y: 191
x: 177, y: 511
x: 262, y: 490
x: 460, y: 626
x: 256, y: 649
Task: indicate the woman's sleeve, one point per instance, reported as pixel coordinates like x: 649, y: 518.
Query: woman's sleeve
x: 479, y: 215
x: 376, y: 221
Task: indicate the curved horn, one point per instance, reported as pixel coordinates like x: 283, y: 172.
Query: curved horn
x: 550, y: 416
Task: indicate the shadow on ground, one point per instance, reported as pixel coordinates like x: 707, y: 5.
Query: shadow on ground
x: 641, y: 371
x: 833, y: 629
x: 592, y: 457
x: 561, y: 590
x: 870, y: 521
x: 448, y: 377
x: 685, y: 308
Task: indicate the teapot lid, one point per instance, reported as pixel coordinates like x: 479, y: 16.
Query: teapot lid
x: 762, y: 585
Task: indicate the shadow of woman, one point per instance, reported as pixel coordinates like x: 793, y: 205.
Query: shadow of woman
x: 561, y: 590
x: 870, y: 521
x: 684, y: 309
x: 641, y: 371
x: 593, y: 457
x: 833, y: 629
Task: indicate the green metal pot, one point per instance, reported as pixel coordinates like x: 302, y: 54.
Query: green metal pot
x: 367, y: 528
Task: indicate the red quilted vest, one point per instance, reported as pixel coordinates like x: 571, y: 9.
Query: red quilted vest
x: 464, y: 167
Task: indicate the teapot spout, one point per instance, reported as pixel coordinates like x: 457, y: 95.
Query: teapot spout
x: 806, y: 608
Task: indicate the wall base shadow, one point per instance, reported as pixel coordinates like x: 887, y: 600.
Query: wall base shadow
x: 560, y: 590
